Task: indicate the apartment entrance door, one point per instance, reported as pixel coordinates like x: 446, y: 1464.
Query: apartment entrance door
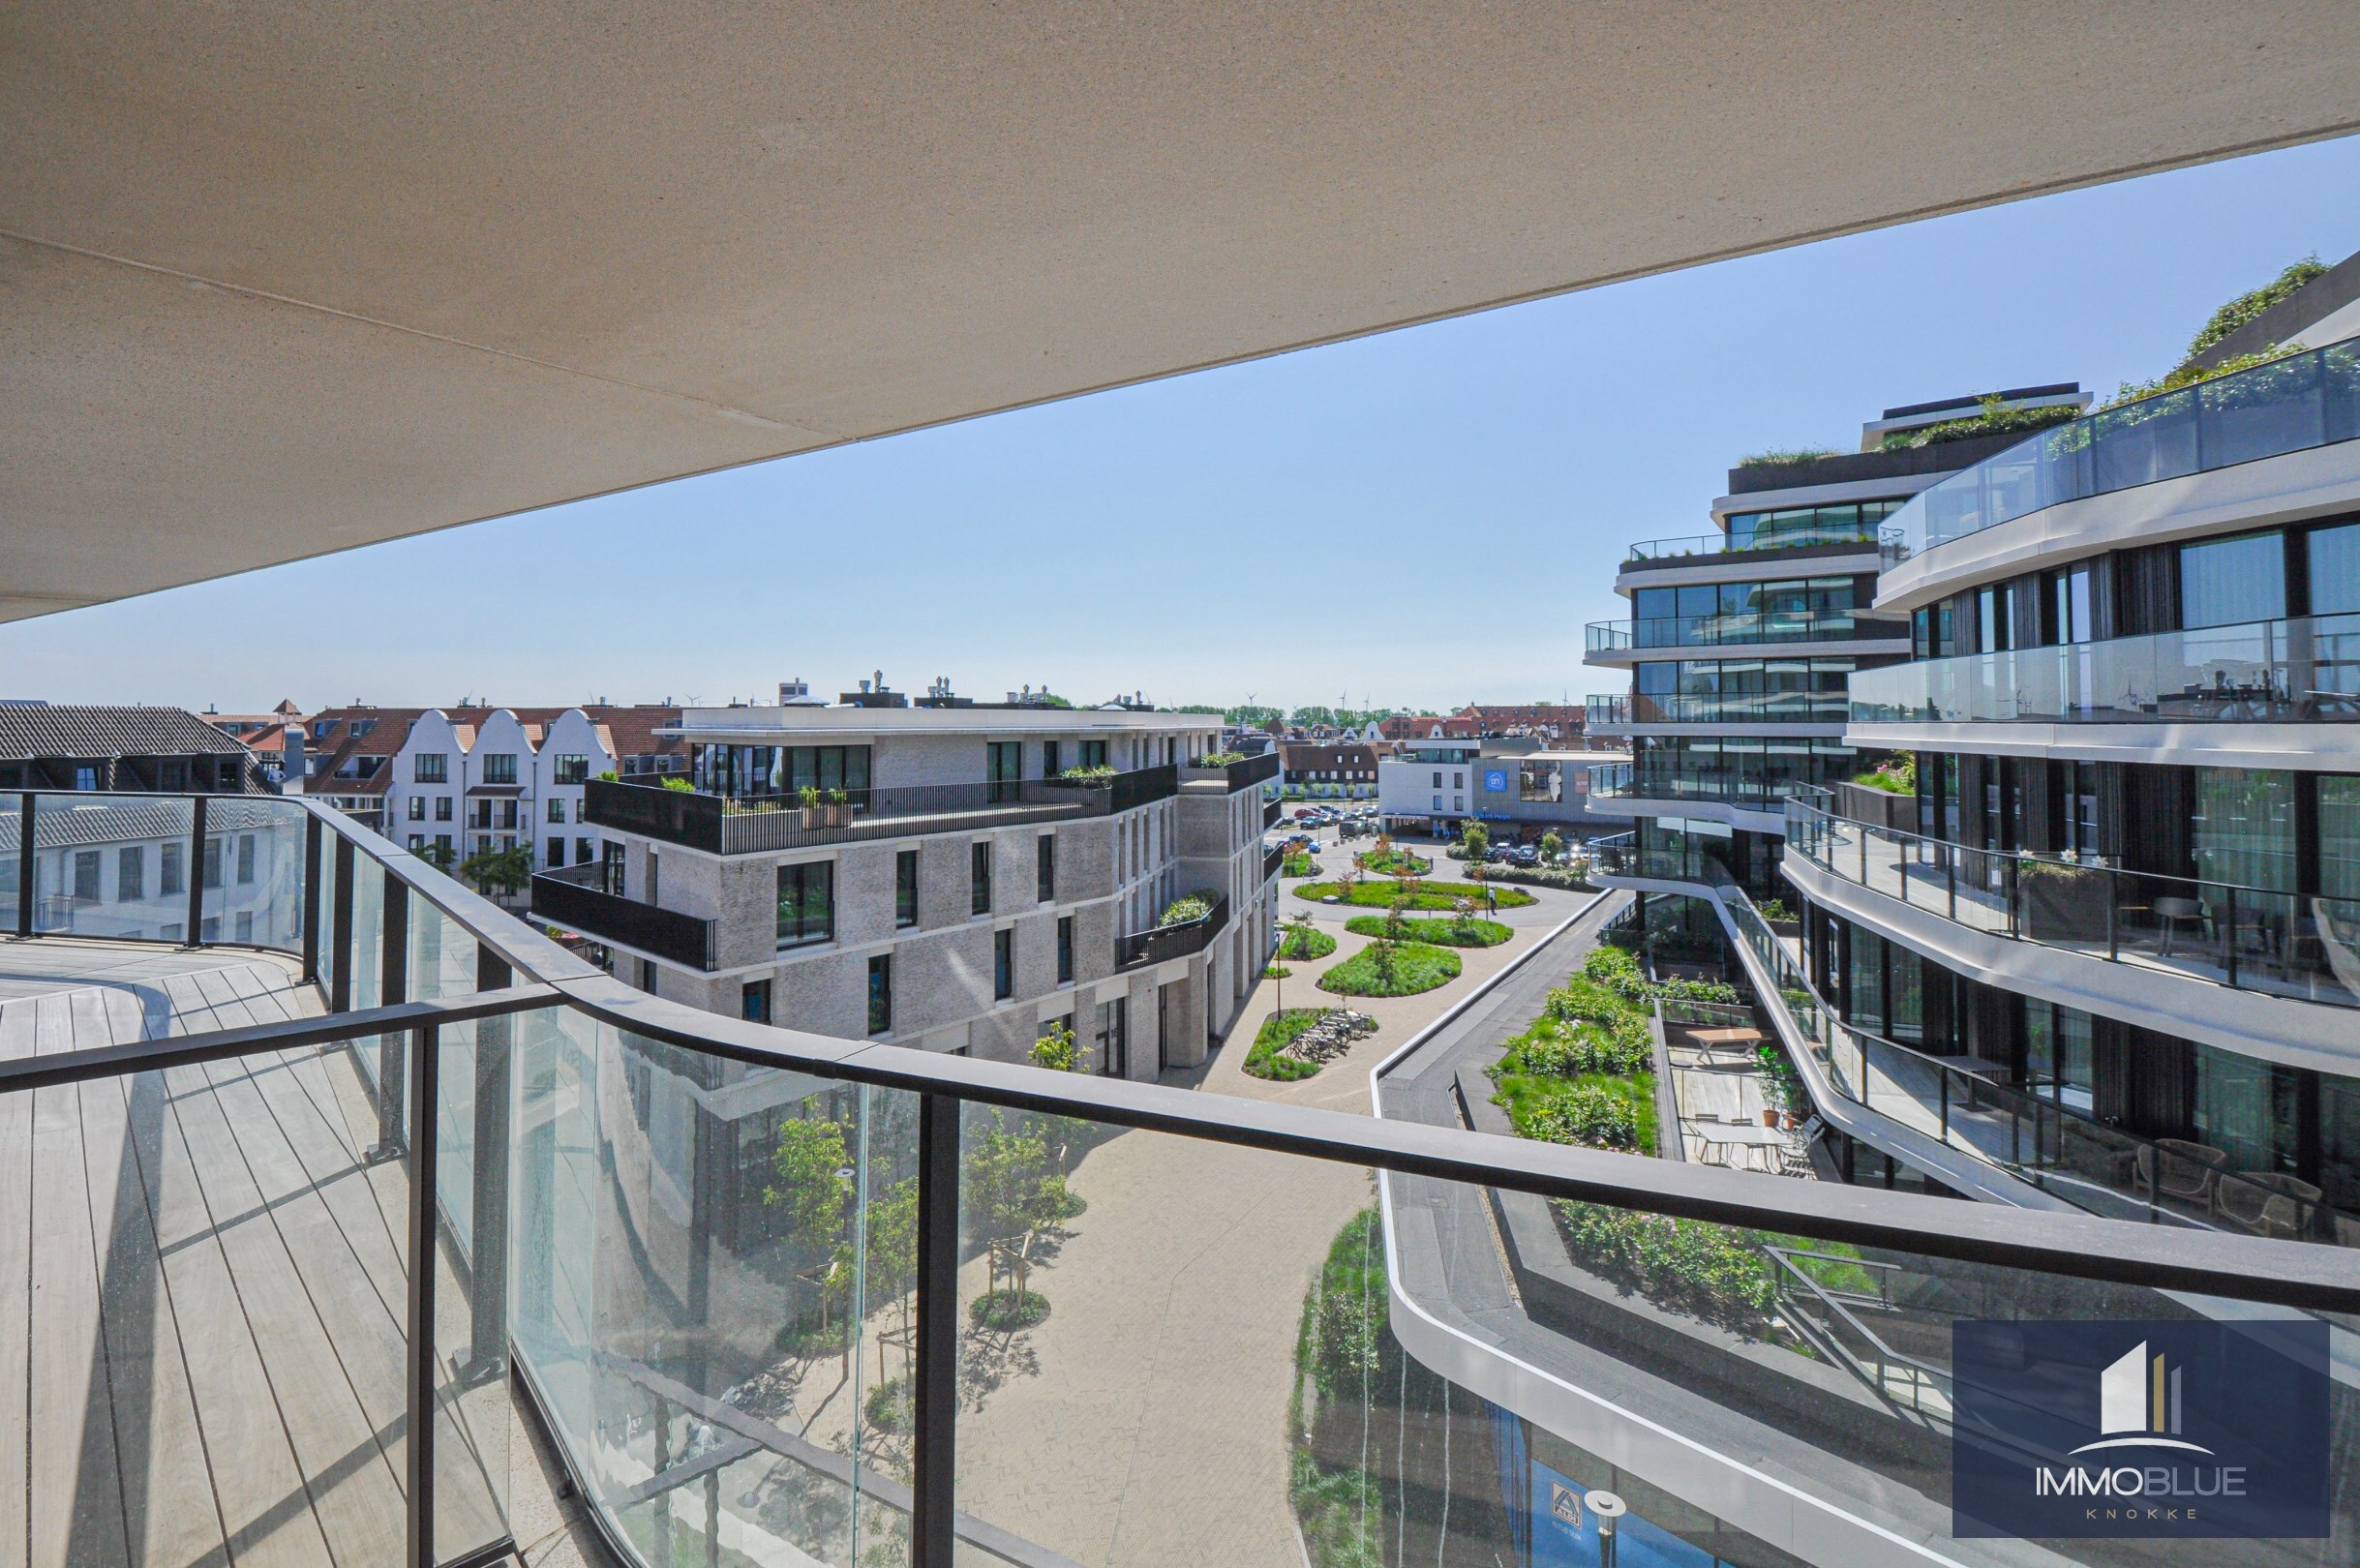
x: 1003, y: 766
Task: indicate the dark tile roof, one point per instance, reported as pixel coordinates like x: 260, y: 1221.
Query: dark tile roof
x: 27, y: 731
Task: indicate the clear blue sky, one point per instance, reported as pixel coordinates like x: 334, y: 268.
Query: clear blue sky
x: 1422, y: 518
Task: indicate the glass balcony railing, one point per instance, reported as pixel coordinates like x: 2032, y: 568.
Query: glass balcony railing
x: 2306, y: 400
x: 784, y: 1299
x: 2262, y: 672
x: 1720, y: 786
x: 2302, y: 945
x: 1723, y: 631
x: 1651, y: 551
x: 1830, y: 706
x: 2034, y: 1137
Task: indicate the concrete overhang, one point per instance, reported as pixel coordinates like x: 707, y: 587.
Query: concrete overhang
x: 280, y: 281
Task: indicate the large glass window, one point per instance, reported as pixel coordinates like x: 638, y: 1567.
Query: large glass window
x: 430, y: 767
x: 2335, y: 570
x: 2244, y: 828
x: 881, y: 994
x: 2223, y: 581
x: 2058, y: 1055
x: 2340, y: 835
x: 499, y: 768
x: 2247, y: 1109
x: 806, y: 903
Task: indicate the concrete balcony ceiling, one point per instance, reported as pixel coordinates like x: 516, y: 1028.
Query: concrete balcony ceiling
x: 279, y: 280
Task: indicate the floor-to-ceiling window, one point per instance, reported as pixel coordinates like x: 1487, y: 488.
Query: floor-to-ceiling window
x: 2243, y: 830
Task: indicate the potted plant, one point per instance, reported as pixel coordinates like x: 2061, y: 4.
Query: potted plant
x: 839, y: 809
x: 815, y: 815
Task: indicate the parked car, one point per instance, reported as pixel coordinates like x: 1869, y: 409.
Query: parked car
x: 1526, y: 855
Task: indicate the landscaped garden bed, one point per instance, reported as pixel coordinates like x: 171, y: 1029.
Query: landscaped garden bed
x: 1387, y: 860
x: 1298, y: 864
x: 1583, y: 1070
x: 1392, y: 968
x: 1456, y: 931
x: 1303, y: 942
x: 1299, y: 1041
x: 1420, y: 896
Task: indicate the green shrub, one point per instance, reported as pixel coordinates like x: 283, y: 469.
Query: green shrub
x: 1431, y: 895
x: 890, y: 1407
x: 682, y: 785
x: 1305, y: 942
x: 2247, y: 306
x: 1453, y: 932
x: 1099, y: 774
x: 1005, y: 1312
x: 1392, y: 968
x: 1779, y: 456
x: 1586, y: 1113
x: 1218, y: 759
x: 1585, y: 1048
x: 1994, y: 420
x: 1188, y: 907
x: 1394, y: 862
x: 1711, y: 1271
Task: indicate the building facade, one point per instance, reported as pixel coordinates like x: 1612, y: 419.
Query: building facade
x: 1517, y: 787
x: 1739, y: 642
x: 2133, y: 849
x: 1328, y: 771
x: 957, y: 878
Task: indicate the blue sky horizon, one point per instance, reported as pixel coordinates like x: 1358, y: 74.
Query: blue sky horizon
x: 1418, y: 518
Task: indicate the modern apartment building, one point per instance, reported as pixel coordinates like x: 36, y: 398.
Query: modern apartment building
x: 956, y: 878
x: 1739, y: 642
x: 2126, y: 891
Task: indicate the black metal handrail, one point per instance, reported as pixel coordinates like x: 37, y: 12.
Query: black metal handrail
x: 660, y: 933
x: 766, y: 820
x: 1168, y: 942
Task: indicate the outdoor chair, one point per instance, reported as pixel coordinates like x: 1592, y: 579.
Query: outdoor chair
x: 2171, y: 912
x: 2176, y: 1168
x: 2267, y: 1204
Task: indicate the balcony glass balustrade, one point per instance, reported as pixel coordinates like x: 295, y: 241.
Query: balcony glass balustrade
x: 2264, y: 672
x: 1826, y: 528
x: 2302, y: 945
x: 2037, y: 1137
x: 1724, y: 631
x: 2304, y: 401
x: 784, y: 1299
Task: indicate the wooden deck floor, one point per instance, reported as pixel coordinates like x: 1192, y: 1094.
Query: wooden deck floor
x: 201, y: 1288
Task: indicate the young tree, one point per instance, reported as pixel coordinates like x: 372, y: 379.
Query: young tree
x: 507, y: 871
x: 1057, y: 1051
x: 1552, y: 846
x: 1477, y: 837
x: 810, y: 1184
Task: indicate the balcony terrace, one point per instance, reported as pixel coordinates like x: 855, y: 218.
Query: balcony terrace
x: 392, y: 1066
x: 758, y: 822
x: 1617, y: 642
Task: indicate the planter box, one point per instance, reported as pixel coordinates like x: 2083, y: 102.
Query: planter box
x: 815, y: 817
x: 2064, y: 905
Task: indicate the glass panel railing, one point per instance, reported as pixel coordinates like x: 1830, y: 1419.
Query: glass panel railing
x: 1788, y: 538
x: 2304, y: 669
x: 2306, y: 400
x: 1721, y: 631
x: 205, y: 1309
x: 1765, y: 1398
x: 111, y: 867
x: 253, y: 872
x: 714, y: 1277
x: 2282, y: 943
